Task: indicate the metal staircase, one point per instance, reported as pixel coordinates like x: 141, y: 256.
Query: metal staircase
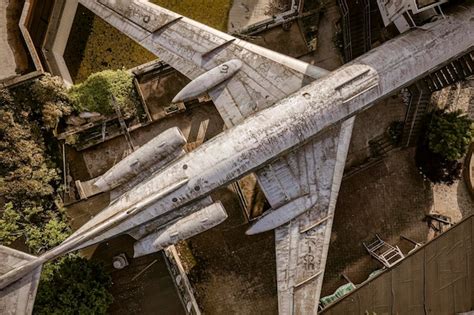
x: 418, y: 105
x: 357, y: 25
x: 457, y: 70
x: 420, y: 94
x: 387, y: 254
x: 380, y: 146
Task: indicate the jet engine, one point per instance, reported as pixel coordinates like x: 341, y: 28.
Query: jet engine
x: 155, y: 154
x: 181, y: 229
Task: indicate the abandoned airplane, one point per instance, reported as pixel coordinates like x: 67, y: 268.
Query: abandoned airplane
x: 288, y: 122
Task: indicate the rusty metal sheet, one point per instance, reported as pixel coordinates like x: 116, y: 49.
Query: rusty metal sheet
x: 407, y: 283
x: 436, y: 279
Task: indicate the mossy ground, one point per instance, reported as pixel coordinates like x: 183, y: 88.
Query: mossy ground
x: 210, y: 12
x: 94, y: 45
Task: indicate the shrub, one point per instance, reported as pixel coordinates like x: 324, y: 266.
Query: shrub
x: 95, y: 94
x: 436, y: 168
x: 50, y: 93
x: 73, y: 285
x: 28, y: 182
x: 445, y: 139
x: 449, y: 133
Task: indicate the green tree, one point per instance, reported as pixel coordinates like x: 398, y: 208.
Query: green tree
x: 73, y: 285
x: 30, y: 207
x: 29, y: 179
x: 436, y: 168
x: 445, y: 139
x: 449, y: 134
x: 9, y: 228
x: 95, y: 93
x: 51, y: 95
x: 25, y: 172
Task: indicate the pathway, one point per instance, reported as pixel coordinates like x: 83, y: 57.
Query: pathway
x: 8, y: 65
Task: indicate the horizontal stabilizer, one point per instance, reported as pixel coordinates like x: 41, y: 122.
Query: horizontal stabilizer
x: 18, y: 298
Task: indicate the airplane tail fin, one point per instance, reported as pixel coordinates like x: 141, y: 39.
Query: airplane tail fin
x: 19, y: 278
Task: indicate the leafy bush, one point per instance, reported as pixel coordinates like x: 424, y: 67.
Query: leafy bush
x: 73, y: 285
x: 50, y: 93
x: 30, y: 208
x: 95, y: 94
x: 24, y: 170
x: 444, y: 141
x: 28, y: 181
x: 449, y: 134
x: 436, y: 168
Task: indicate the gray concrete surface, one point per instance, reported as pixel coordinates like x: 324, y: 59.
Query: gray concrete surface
x: 248, y: 12
x: 8, y: 64
x: 13, y: 56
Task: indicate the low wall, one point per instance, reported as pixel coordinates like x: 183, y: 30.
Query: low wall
x: 469, y: 170
x: 438, y: 278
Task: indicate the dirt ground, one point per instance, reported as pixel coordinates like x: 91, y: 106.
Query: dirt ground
x: 370, y: 124
x: 289, y: 41
x: 326, y: 55
x: 144, y: 286
x: 197, y: 124
x: 234, y: 272
x: 390, y: 199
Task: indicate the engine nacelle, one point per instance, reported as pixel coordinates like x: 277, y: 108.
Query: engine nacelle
x: 208, y: 80
x: 182, y: 229
x: 157, y: 153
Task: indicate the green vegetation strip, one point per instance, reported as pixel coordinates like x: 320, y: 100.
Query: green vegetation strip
x: 31, y: 210
x: 214, y: 13
x: 94, y: 45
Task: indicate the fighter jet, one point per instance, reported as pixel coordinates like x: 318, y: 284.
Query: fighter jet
x: 287, y: 121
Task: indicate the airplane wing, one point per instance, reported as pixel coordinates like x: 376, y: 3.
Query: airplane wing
x: 315, y: 170
x: 193, y: 49
x: 264, y: 78
x: 18, y: 298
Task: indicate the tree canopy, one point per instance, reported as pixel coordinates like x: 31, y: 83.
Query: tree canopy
x: 73, y: 285
x: 30, y: 207
x: 444, y: 141
x: 449, y: 133
x: 95, y: 93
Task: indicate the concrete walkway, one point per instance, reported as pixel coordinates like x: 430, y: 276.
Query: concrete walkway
x: 7, y: 53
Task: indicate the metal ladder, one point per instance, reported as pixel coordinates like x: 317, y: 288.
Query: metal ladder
x: 387, y: 254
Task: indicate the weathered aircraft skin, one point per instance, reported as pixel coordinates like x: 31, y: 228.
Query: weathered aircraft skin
x: 155, y: 153
x: 182, y: 229
x: 209, y: 80
x: 270, y: 116
x: 293, y: 121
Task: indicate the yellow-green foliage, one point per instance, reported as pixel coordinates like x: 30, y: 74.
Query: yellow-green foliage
x: 210, y: 12
x: 95, y: 93
x: 107, y: 48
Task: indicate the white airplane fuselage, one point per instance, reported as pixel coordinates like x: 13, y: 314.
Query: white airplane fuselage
x: 274, y: 131
x: 286, y: 125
